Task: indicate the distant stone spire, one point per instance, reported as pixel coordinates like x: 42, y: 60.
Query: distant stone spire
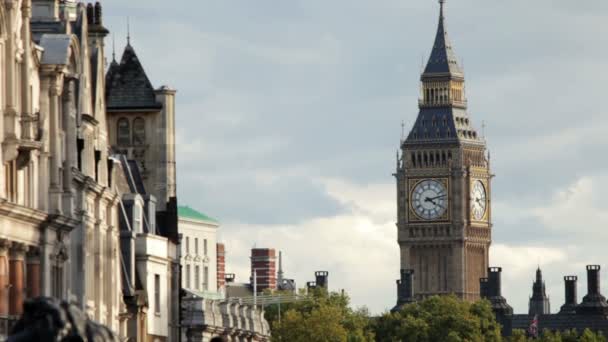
x: 539, y: 302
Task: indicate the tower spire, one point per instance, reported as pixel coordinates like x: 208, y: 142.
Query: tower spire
x: 442, y: 61
x: 128, y: 32
x: 113, y: 48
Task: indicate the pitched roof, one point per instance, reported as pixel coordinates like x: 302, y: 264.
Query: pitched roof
x: 187, y: 212
x: 443, y: 125
x: 56, y: 48
x: 128, y: 86
x: 443, y: 59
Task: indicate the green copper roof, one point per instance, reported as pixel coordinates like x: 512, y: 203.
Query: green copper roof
x: 187, y: 212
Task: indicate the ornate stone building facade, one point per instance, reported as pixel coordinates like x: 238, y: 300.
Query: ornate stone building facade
x: 58, y: 210
x: 141, y: 126
x: 443, y: 184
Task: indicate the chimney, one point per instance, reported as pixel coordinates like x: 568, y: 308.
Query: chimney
x: 405, y: 287
x: 230, y: 278
x: 90, y: 14
x: 494, y: 288
x: 593, y: 279
x: 570, y: 288
x: 483, y: 288
x: 221, y: 265
x: 311, y: 285
x: 502, y: 309
x: 98, y: 14
x: 593, y: 302
x: 322, y: 279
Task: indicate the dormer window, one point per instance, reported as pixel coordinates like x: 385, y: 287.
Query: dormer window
x: 137, y: 213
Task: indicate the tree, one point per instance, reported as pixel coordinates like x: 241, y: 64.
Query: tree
x: 558, y: 336
x: 444, y: 318
x: 323, y: 317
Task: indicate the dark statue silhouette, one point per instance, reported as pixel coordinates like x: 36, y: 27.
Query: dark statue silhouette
x: 48, y: 319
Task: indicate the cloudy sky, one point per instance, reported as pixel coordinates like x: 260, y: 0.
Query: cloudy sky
x: 289, y: 115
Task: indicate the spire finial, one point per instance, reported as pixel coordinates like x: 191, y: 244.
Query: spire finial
x: 402, y: 131
x: 128, y: 32
x: 113, y: 48
x: 441, y: 3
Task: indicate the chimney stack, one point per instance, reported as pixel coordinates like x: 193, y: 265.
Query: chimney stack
x: 494, y: 288
x: 483, y: 288
x: 593, y: 302
x: 321, y: 278
x: 593, y: 279
x: 311, y: 285
x: 570, y: 288
x: 502, y: 310
x: 405, y: 289
x: 230, y: 278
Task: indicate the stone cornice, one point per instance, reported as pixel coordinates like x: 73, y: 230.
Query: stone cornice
x: 22, y: 213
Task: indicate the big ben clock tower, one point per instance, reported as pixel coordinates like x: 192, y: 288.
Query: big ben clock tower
x: 443, y: 185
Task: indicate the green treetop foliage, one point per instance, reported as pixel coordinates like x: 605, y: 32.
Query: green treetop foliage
x: 327, y: 317
x: 444, y: 318
x: 564, y: 336
x: 324, y: 317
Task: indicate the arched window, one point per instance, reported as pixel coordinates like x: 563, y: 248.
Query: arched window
x: 123, y: 135
x: 139, y: 131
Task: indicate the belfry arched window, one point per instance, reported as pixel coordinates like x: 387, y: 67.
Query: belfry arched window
x: 123, y: 132
x: 139, y: 131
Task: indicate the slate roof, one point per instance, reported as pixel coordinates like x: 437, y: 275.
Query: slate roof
x: 132, y: 175
x: 187, y: 212
x: 128, y: 86
x: 56, y: 48
x: 562, y: 322
x: 443, y: 59
x: 442, y: 125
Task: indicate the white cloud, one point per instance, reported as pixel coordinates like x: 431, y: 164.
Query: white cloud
x: 358, y: 248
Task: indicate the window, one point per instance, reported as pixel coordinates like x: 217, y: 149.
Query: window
x: 206, y: 278
x: 187, y: 245
x: 197, y: 278
x: 137, y: 219
x: 196, y: 246
x: 157, y: 294
x: 123, y: 134
x: 205, y: 247
x: 139, y: 131
x: 57, y: 276
x: 187, y: 277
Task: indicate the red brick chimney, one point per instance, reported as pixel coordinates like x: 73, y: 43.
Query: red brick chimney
x: 263, y: 261
x: 221, y: 266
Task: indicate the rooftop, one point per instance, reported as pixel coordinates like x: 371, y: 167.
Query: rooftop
x: 187, y: 212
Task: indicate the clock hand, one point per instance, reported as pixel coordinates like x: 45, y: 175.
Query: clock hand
x: 436, y: 197
x: 428, y: 199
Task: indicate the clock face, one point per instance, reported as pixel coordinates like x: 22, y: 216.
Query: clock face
x: 478, y: 200
x: 429, y: 199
